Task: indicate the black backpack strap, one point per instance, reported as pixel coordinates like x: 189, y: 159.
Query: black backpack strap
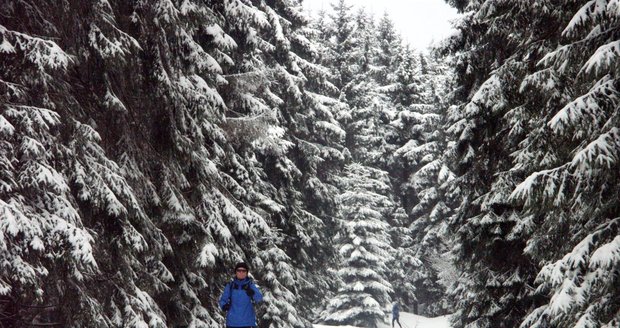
x: 248, y: 286
x: 230, y: 291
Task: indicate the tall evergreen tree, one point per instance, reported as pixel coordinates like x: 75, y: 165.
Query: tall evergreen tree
x: 390, y: 46
x: 491, y: 55
x: 359, y: 91
x: 569, y: 161
x: 364, y: 244
x: 369, y: 111
x: 406, y: 88
x: 555, y: 77
x: 423, y: 178
x: 342, y: 28
x: 83, y: 239
x: 304, y: 193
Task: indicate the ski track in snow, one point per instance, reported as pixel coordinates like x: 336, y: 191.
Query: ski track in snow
x: 408, y: 320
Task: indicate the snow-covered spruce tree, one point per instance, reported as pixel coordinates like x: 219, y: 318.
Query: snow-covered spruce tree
x: 279, y: 81
x: 253, y: 104
x: 342, y: 42
x: 39, y: 217
x: 82, y: 237
x: 423, y: 177
x: 491, y: 55
x: 390, y: 46
x: 377, y: 139
x: 175, y: 147
x: 406, y: 88
x: 365, y: 248
x: 318, y: 153
x: 369, y: 136
x: 360, y: 90
x: 417, y: 123
x: 320, y: 35
x: 369, y: 111
x: 570, y: 162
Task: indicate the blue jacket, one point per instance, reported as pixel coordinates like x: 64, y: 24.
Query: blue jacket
x: 395, y: 311
x: 241, y: 313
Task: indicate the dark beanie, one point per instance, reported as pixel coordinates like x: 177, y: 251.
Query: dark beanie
x: 242, y: 265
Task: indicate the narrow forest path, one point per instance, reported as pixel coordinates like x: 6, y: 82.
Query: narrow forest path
x: 409, y: 320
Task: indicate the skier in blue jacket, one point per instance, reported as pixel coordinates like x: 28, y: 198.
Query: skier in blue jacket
x: 396, y: 314
x: 238, y: 299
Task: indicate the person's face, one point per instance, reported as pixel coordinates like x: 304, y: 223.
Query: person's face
x: 241, y: 273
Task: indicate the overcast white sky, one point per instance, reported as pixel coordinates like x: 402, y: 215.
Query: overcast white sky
x: 418, y: 21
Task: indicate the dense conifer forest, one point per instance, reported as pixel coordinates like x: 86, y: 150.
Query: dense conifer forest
x: 148, y: 146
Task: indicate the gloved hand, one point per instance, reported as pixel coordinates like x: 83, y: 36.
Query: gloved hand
x: 249, y: 290
x: 226, y: 307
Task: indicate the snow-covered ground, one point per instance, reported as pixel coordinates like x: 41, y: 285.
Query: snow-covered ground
x: 409, y: 320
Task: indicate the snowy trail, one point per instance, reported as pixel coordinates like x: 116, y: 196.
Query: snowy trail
x: 409, y: 320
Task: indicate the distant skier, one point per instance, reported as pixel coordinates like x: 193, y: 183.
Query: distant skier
x: 396, y: 314
x: 238, y: 299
